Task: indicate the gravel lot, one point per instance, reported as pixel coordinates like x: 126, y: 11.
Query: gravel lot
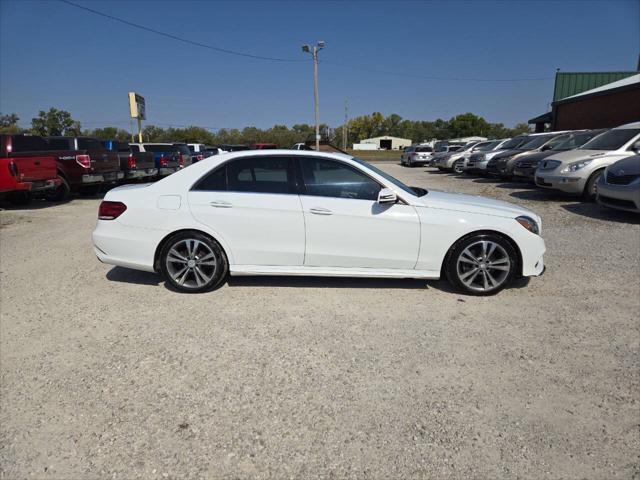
x: 107, y: 373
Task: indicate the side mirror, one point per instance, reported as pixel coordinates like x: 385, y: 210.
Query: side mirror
x: 636, y: 146
x: 387, y: 195
x: 546, y: 147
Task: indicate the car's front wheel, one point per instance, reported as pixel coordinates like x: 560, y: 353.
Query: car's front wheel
x: 481, y: 264
x: 458, y: 166
x: 193, y: 262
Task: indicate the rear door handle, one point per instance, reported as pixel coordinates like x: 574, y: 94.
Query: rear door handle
x: 220, y: 204
x: 320, y: 211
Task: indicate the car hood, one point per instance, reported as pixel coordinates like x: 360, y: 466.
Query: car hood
x: 474, y: 204
x: 537, y: 156
x: 577, y: 155
x: 630, y: 166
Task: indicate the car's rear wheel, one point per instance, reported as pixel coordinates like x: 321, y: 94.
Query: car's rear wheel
x: 481, y: 264
x: 193, y: 262
x: 61, y: 192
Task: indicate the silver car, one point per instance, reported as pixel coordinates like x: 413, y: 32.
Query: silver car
x: 619, y: 186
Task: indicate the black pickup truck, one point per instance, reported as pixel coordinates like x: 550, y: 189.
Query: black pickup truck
x: 135, y: 165
x: 84, y: 164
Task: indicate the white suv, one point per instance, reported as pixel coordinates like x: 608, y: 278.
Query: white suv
x: 577, y: 171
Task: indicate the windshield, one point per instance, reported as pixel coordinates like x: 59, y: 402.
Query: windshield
x: 535, y: 142
x: 611, y: 140
x: 486, y: 146
x: 513, y: 143
x: 572, y: 141
x: 416, y: 191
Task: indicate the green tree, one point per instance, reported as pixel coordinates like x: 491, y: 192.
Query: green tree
x: 55, y: 122
x: 9, y: 124
x: 109, y: 133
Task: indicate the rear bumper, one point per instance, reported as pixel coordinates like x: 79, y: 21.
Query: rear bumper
x: 45, y: 185
x: 106, y: 177
x: 164, y: 171
x: 143, y: 173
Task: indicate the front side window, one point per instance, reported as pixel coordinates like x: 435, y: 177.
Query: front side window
x: 328, y: 178
x: 260, y: 175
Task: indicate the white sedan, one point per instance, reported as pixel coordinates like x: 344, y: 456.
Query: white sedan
x: 280, y: 212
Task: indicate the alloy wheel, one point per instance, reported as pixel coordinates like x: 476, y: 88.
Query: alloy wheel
x: 191, y: 263
x: 483, y: 266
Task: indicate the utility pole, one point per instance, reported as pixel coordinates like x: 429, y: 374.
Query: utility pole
x: 345, y: 130
x: 307, y: 49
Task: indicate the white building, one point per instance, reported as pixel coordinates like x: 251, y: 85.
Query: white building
x: 382, y: 143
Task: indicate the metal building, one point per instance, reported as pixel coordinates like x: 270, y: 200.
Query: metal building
x: 382, y: 143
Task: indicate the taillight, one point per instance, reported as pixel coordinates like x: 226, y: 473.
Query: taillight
x: 164, y: 161
x: 110, y: 210
x: 131, y: 163
x: 84, y: 161
x: 180, y: 160
x: 13, y: 169
x: 200, y: 157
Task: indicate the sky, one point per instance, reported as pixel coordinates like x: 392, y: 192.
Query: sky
x: 420, y: 59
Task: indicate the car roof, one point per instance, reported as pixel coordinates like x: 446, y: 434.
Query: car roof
x: 628, y: 125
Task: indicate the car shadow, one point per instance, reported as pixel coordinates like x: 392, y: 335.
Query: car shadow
x: 540, y: 195
x: 35, y: 204
x: 327, y: 282
x: 128, y: 275
x: 598, y: 212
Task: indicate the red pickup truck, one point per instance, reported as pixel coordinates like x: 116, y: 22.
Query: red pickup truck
x: 24, y: 170
x: 84, y: 164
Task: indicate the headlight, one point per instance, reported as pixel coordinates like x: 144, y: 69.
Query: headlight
x: 529, y: 223
x: 574, y: 167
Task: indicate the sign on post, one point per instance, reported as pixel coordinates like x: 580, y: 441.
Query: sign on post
x: 137, y: 110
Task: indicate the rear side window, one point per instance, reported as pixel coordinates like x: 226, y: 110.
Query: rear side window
x: 89, y: 144
x: 215, y: 181
x: 260, y: 175
x: 328, y: 178
x: 28, y: 143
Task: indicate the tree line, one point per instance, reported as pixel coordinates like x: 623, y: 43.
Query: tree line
x: 60, y: 122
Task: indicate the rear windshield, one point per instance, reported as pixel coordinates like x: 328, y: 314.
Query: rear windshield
x: 424, y: 149
x: 59, y: 144
x: 183, y: 149
x: 160, y: 148
x: 611, y: 140
x: 89, y: 144
x: 28, y: 143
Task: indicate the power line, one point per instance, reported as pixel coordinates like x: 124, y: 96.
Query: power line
x: 180, y: 39
x: 291, y: 60
x: 428, y: 77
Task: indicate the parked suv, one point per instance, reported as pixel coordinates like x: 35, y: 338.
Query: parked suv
x: 478, y: 162
x: 526, y: 167
x: 453, y: 161
x: 501, y: 165
x: 84, y: 164
x: 577, y: 171
x: 134, y: 165
x: 416, y: 156
x: 166, y: 156
x: 25, y: 170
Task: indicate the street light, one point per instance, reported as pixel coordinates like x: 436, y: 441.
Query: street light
x: 314, y: 53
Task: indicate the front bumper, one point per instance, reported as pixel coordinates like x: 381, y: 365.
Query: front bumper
x: 620, y: 197
x: 525, y: 172
x: 564, y: 183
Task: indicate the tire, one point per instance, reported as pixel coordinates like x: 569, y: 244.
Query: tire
x: 458, y: 167
x: 481, y: 264
x: 61, y: 193
x: 591, y: 188
x: 180, y: 265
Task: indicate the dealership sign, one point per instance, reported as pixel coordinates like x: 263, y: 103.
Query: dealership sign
x: 136, y: 106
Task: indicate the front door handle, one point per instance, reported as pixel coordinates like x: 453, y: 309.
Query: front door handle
x: 220, y: 204
x: 320, y: 211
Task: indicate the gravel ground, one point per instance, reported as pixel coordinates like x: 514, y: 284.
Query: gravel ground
x: 105, y: 373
